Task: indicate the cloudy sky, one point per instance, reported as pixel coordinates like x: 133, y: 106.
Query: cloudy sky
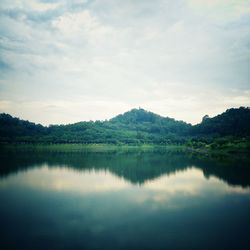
x: 67, y: 61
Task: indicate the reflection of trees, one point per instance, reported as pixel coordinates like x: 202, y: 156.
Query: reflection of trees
x: 136, y: 167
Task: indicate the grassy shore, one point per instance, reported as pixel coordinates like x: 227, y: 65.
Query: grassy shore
x: 64, y: 148
x: 226, y: 148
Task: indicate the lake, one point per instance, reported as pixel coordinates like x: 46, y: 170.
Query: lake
x: 123, y: 200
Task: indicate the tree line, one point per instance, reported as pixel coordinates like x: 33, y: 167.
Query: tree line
x: 133, y: 127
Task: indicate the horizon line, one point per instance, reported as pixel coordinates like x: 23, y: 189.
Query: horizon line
x: 105, y: 120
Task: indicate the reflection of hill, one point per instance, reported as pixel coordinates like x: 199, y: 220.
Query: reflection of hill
x: 136, y: 167
x: 234, y: 171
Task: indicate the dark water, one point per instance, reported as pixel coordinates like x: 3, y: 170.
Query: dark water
x: 121, y: 200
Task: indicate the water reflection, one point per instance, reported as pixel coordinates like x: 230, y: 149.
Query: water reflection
x: 190, y: 181
x: 64, y: 179
x: 135, y: 167
x: 123, y: 201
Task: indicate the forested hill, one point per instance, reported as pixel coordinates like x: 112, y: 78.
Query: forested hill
x: 134, y: 126
x: 148, y: 122
x: 234, y: 122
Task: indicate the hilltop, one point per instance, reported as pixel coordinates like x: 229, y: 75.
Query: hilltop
x: 135, y: 126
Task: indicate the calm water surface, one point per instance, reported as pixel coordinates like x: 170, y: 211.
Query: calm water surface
x: 118, y: 200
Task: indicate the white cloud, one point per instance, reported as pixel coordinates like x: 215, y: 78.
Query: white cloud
x: 163, y: 55
x: 221, y: 9
x: 58, y: 112
x: 80, y: 23
x: 29, y: 4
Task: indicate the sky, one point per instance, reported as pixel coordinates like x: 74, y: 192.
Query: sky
x: 68, y: 61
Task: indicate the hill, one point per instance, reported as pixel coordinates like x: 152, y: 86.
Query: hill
x: 234, y: 122
x: 134, y: 126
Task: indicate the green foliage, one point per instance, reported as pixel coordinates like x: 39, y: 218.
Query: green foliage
x: 232, y: 122
x: 137, y: 126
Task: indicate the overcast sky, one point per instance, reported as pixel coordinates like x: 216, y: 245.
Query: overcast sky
x: 68, y: 61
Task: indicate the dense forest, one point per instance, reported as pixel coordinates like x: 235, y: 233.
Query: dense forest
x: 133, y: 127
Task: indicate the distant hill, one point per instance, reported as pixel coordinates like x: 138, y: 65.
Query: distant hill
x: 134, y: 126
x: 233, y: 121
x: 12, y: 128
x: 145, y: 121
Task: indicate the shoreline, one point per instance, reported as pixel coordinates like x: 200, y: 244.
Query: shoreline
x: 203, y: 150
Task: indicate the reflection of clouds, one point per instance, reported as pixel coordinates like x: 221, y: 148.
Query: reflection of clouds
x: 64, y: 179
x: 189, y: 181
x: 164, y: 190
x: 192, y: 182
x: 185, y: 184
x: 237, y: 189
